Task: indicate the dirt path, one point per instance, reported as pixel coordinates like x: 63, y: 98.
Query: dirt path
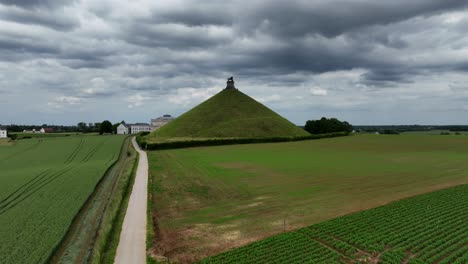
x: 132, y: 244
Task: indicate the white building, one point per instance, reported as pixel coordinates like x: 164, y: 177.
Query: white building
x: 3, y: 132
x: 139, y: 127
x: 161, y: 121
x: 122, y: 129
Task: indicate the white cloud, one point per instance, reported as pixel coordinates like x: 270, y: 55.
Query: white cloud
x: 317, y: 91
x: 188, y: 96
x: 270, y: 98
x: 137, y: 100
x: 63, y: 101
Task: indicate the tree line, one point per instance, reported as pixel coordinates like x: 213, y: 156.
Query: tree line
x: 327, y: 125
x: 104, y: 127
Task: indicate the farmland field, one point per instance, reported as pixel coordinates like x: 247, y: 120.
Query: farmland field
x: 429, y: 228
x: 207, y: 200
x: 43, y: 184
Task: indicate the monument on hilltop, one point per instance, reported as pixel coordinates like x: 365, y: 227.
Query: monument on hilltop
x: 229, y: 114
x: 230, y: 83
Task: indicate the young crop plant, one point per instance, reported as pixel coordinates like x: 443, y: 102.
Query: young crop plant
x: 43, y: 184
x: 429, y: 228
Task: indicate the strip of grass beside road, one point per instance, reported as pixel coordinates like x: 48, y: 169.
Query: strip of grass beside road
x: 95, y: 232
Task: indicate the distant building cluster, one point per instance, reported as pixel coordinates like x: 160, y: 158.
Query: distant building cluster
x: 3, y: 132
x: 42, y: 130
x: 160, y: 121
x: 124, y: 129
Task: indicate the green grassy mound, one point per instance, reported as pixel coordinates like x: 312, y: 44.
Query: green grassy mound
x: 229, y: 113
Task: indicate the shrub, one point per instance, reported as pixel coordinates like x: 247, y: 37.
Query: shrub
x: 228, y: 141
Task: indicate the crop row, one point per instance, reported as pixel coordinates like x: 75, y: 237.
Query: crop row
x: 43, y: 186
x: 429, y: 228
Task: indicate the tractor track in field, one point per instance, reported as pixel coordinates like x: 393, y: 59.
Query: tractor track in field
x: 24, y: 185
x: 93, y: 151
x: 38, y: 178
x: 75, y: 152
x: 32, y: 188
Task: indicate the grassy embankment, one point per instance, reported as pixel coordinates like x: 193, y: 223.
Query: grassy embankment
x: 209, y: 199
x: 228, y: 114
x: 43, y: 185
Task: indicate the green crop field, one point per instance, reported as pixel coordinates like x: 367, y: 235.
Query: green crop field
x: 23, y: 135
x: 210, y: 199
x: 429, y: 228
x: 43, y: 184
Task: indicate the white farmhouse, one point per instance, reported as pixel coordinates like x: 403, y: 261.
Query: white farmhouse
x: 161, y: 121
x: 3, y: 132
x: 139, y: 127
x: 122, y: 129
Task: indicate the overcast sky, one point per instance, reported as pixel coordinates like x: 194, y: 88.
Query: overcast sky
x: 365, y: 61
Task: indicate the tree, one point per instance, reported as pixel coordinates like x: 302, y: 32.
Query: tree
x: 105, y: 127
x: 114, y: 127
x: 81, y: 126
x: 325, y: 125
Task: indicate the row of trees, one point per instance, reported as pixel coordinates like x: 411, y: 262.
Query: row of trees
x: 104, y: 127
x: 325, y: 125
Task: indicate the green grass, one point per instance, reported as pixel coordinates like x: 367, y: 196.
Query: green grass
x: 43, y: 184
x: 229, y: 113
x: 429, y: 228
x: 210, y: 199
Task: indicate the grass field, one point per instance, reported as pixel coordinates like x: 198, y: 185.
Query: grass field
x: 429, y: 228
x: 21, y: 135
x: 43, y: 184
x: 210, y: 199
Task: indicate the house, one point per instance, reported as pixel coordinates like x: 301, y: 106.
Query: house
x: 139, y: 127
x: 122, y: 129
x: 46, y: 130
x: 160, y: 121
x: 3, y: 132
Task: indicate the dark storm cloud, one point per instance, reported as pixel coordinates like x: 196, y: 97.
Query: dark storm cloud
x: 37, y: 3
x: 24, y: 46
x: 214, y: 28
x: 332, y: 18
x: 388, y: 76
x: 42, y: 17
x: 131, y: 51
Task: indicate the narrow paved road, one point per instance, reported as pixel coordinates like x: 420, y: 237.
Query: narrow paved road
x: 132, y: 244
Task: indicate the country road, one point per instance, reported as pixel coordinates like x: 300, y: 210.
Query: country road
x: 132, y: 244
